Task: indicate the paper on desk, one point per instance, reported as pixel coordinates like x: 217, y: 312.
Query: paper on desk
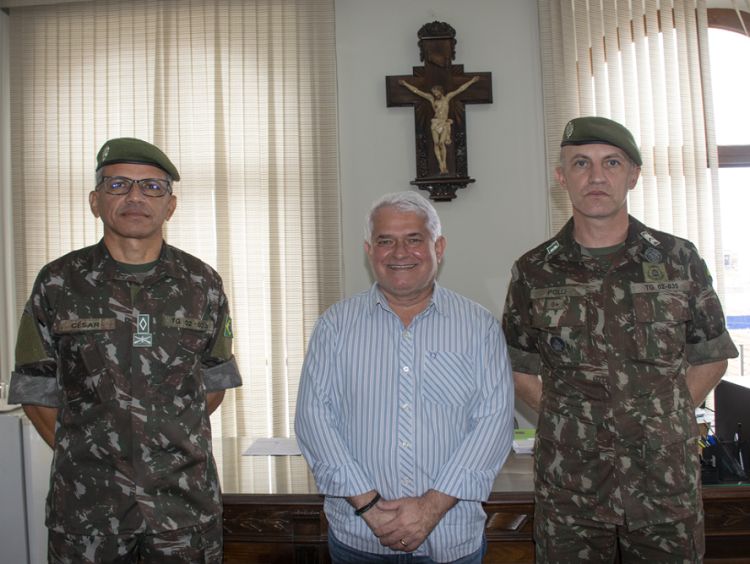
x: 275, y: 446
x: 523, y: 441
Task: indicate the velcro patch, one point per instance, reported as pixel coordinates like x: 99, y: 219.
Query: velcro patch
x: 191, y: 323
x: 559, y: 292
x: 654, y: 272
x: 668, y: 286
x: 88, y: 324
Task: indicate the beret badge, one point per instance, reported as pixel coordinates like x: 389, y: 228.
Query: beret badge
x: 569, y: 129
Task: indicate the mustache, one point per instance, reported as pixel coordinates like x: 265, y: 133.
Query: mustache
x: 134, y: 207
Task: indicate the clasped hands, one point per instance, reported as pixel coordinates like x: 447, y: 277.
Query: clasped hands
x: 403, y: 524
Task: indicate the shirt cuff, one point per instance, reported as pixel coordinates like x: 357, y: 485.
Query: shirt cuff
x: 342, y: 481
x: 522, y: 361
x: 222, y: 376
x: 705, y: 352
x: 33, y: 390
x: 466, y: 484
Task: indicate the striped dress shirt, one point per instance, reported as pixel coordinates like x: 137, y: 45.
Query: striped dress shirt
x: 402, y: 410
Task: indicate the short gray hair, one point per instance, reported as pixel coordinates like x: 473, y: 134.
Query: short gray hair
x: 407, y: 201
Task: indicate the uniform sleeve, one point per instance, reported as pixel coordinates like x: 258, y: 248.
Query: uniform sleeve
x: 336, y: 471
x: 220, y: 370
x: 707, y: 337
x: 519, y: 334
x: 471, y: 469
x: 34, y: 380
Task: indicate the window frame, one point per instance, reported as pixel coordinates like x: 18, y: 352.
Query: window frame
x: 729, y: 20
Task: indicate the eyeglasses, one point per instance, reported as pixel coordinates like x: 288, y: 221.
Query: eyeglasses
x: 121, y: 185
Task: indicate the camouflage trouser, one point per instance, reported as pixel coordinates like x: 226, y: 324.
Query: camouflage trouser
x: 564, y: 539
x: 193, y: 545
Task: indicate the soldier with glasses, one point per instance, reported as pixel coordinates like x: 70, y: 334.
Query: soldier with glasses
x: 124, y: 350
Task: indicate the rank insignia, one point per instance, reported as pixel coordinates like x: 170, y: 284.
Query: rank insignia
x: 552, y: 247
x: 650, y: 238
x: 654, y: 272
x: 143, y: 337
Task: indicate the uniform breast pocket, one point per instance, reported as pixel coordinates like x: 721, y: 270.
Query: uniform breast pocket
x: 182, y: 344
x: 660, y: 320
x: 564, y: 339
x: 84, y: 362
x: 181, y: 336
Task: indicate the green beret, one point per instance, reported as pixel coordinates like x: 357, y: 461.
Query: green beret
x: 131, y: 150
x: 594, y: 129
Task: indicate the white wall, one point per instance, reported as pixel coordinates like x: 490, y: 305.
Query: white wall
x: 502, y: 214
x: 505, y: 211
x: 7, y: 282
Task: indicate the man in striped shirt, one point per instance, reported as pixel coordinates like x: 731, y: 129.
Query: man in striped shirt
x: 405, y: 405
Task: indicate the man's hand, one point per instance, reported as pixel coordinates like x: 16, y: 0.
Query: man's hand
x: 378, y: 518
x: 213, y: 400
x: 44, y: 420
x: 375, y: 517
x: 702, y: 378
x: 413, y: 519
x: 529, y: 388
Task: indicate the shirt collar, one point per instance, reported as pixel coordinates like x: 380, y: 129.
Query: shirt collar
x: 376, y: 298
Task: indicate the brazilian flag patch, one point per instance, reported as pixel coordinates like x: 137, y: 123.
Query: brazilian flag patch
x: 228, y: 327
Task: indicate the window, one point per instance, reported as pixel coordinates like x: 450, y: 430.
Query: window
x: 729, y: 44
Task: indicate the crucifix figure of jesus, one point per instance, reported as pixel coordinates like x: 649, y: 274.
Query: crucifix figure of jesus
x: 441, y: 123
x: 438, y: 91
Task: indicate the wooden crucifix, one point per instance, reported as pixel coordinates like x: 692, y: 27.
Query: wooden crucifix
x: 438, y: 92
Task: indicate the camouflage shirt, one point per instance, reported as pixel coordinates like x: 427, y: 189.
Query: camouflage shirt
x: 612, y: 339
x: 127, y: 359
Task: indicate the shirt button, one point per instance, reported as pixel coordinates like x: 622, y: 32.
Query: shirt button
x: 405, y: 444
x: 406, y: 369
x: 407, y: 335
x: 405, y: 406
x: 405, y: 481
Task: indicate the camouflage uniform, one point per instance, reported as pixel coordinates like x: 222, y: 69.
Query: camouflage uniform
x: 127, y: 359
x: 612, y: 340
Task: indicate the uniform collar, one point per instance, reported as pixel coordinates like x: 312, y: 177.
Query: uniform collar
x: 638, y: 240
x: 104, y: 267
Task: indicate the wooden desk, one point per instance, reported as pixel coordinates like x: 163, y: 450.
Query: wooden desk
x: 274, y: 515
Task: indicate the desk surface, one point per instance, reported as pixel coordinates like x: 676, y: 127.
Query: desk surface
x: 289, y: 475
x: 273, y: 513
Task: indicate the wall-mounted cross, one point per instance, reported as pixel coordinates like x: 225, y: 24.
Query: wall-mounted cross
x: 438, y: 92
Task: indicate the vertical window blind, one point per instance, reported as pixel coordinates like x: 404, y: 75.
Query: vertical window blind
x: 242, y: 97
x: 645, y: 64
